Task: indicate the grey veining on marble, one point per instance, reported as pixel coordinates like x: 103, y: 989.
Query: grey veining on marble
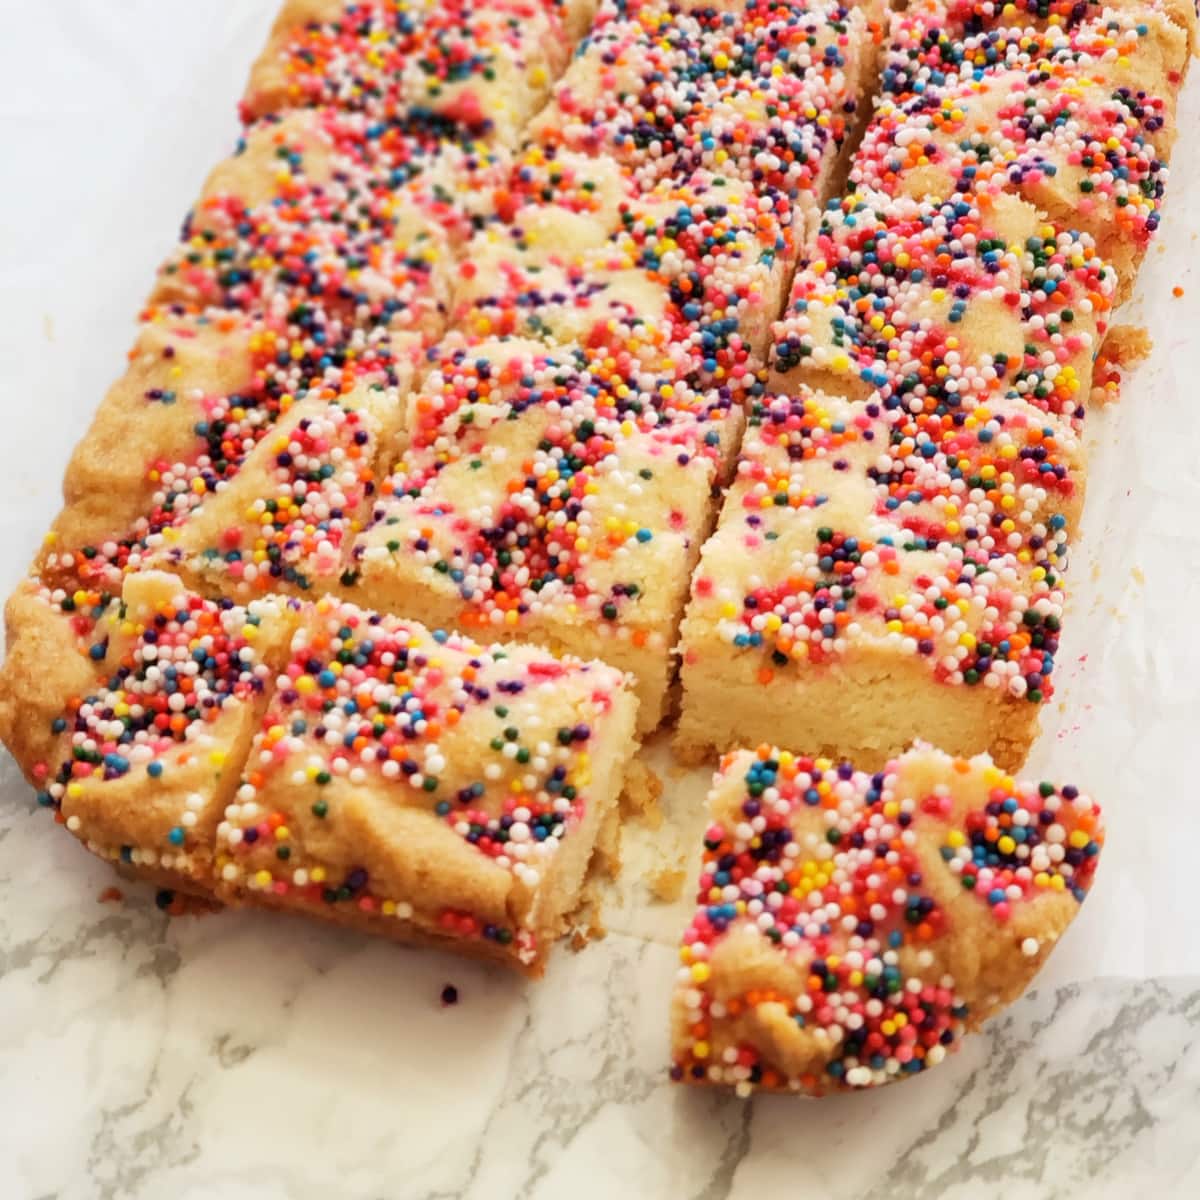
x: 238, y: 1055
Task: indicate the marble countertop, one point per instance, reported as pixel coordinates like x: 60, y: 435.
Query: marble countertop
x: 239, y: 1055
x: 235, y: 1055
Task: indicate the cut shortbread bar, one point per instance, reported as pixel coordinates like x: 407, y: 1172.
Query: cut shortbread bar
x: 423, y: 785
x: 199, y: 394
x: 483, y: 66
x: 879, y: 574
x: 486, y: 64
x: 311, y: 214
x: 364, y: 770
x: 697, y: 268
x: 966, y: 17
x: 974, y: 295
x: 173, y: 404
x: 851, y: 928
x: 967, y: 328
x: 133, y: 716
x: 766, y: 90
x: 285, y: 521
x: 349, y: 53
x: 552, y: 496
x: 1078, y: 120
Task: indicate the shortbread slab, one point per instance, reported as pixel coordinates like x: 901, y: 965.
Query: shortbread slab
x: 851, y: 928
x: 879, y: 574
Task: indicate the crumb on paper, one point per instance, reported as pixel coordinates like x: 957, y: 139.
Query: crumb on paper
x: 1127, y: 345
x: 605, y: 863
x: 1177, y: 291
x: 583, y: 923
x: 48, y: 326
x: 1123, y: 348
x: 666, y: 884
x: 1138, y: 575
x: 180, y: 904
x: 641, y: 795
x: 587, y: 928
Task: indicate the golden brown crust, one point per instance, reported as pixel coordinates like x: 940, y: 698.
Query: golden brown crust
x: 149, y: 416
x: 165, y: 809
x: 45, y: 666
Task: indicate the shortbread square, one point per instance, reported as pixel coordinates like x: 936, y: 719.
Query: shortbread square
x: 486, y: 65
x: 877, y: 574
x: 852, y: 927
x: 581, y: 255
x: 285, y: 521
x: 183, y: 374
x: 767, y: 91
x: 482, y: 67
x: 1077, y: 118
x: 134, y: 716
x: 308, y: 215
x: 974, y: 295
x: 420, y: 785
x: 199, y: 394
